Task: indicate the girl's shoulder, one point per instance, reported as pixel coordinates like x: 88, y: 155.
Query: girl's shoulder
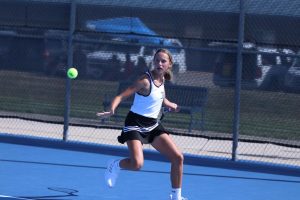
x: 143, y: 83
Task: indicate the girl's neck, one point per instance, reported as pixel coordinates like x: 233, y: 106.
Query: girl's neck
x: 158, y: 77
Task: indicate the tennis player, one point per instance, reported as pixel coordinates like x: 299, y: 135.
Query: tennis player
x: 142, y: 126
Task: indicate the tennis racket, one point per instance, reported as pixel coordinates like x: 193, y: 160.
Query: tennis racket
x: 103, y: 114
x: 164, y: 111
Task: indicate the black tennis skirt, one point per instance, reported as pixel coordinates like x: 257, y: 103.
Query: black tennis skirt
x: 138, y: 127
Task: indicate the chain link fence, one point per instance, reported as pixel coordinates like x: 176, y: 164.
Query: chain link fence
x: 110, y: 43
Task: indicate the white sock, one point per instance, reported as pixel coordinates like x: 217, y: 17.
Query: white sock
x: 176, y: 193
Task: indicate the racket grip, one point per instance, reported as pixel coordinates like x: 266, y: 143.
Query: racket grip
x: 165, y: 110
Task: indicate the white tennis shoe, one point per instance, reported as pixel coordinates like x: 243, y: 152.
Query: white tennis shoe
x: 181, y: 198
x: 111, y: 173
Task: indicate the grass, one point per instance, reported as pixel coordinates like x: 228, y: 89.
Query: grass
x: 263, y: 114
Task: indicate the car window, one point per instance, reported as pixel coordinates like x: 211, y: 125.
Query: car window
x: 269, y: 59
x: 228, y: 58
x: 177, y: 48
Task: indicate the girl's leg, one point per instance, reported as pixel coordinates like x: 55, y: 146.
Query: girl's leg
x: 134, y: 162
x: 165, y: 145
x: 136, y: 156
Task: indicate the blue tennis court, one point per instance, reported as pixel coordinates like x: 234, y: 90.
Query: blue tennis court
x: 32, y: 172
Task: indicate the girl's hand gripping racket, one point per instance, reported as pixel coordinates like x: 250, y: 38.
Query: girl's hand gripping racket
x: 104, y: 114
x: 165, y: 110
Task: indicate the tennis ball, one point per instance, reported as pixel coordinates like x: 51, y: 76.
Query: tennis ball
x: 72, y: 73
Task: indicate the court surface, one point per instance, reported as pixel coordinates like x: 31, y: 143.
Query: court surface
x: 30, y: 172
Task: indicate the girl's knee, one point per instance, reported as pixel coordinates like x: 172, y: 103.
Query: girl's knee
x: 181, y: 158
x: 137, y: 164
x: 178, y: 159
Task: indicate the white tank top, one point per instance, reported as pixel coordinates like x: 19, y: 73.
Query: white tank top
x: 149, y: 105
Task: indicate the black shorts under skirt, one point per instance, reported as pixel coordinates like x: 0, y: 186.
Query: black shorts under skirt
x: 136, y: 120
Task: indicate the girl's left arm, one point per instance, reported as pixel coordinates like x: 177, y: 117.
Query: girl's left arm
x: 172, y: 106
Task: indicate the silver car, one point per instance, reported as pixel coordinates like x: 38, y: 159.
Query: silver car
x: 292, y: 77
x: 278, y: 61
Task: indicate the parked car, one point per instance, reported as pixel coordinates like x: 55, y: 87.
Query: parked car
x: 263, y: 70
x: 6, y: 46
x: 225, y: 67
x: 56, y: 52
x: 99, y: 63
x: 292, y: 77
x: 21, y: 49
x: 278, y: 66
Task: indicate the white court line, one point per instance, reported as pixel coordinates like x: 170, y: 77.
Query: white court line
x: 11, y: 197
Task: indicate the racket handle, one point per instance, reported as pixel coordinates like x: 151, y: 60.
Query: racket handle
x: 164, y: 110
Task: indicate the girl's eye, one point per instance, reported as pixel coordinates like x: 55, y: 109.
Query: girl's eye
x: 162, y: 61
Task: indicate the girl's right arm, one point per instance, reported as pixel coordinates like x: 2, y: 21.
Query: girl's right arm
x: 137, y: 86
x: 116, y: 101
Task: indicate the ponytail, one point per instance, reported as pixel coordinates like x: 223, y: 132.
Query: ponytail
x: 168, y: 75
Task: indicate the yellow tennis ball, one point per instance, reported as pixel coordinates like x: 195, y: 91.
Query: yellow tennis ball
x: 72, y: 73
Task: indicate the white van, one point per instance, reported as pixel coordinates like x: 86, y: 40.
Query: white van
x: 99, y: 63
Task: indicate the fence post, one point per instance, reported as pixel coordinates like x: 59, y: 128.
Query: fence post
x: 239, y: 62
x: 70, y: 64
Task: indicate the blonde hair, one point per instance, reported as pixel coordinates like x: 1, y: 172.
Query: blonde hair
x: 168, y: 75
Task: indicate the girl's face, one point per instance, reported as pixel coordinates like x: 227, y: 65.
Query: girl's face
x: 161, y: 62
